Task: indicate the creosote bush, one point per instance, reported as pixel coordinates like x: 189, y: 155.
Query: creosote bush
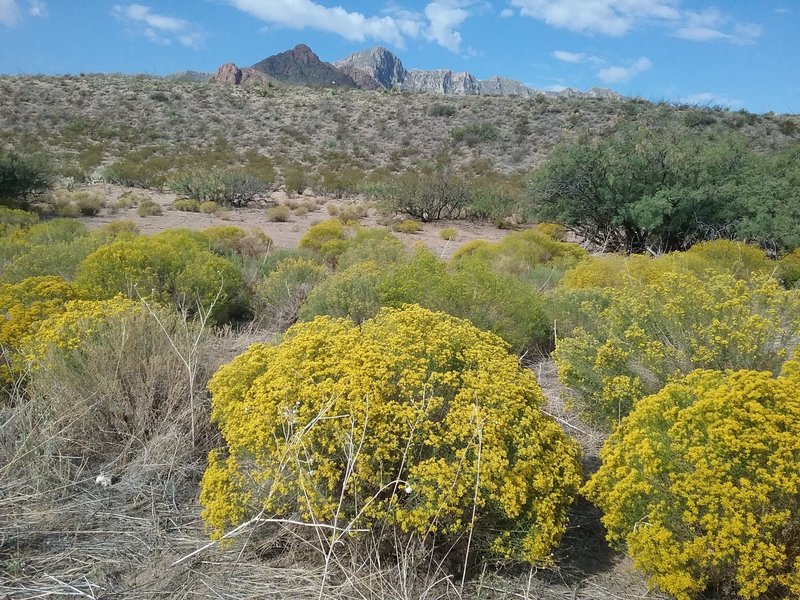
x: 415, y: 420
x: 700, y: 485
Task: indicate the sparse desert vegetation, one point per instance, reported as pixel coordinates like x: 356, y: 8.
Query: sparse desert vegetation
x: 280, y: 342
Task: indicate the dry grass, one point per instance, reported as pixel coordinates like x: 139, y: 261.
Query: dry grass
x: 63, y: 535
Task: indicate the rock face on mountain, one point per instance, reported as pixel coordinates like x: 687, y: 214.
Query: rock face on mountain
x: 441, y: 81
x: 231, y: 74
x: 500, y: 86
x: 380, y: 65
x: 300, y: 66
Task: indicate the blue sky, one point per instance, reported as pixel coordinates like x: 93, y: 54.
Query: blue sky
x: 736, y: 53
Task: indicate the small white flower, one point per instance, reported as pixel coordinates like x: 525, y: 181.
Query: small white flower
x: 409, y: 489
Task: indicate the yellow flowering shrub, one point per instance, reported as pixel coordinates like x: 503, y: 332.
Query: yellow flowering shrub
x: 75, y: 322
x: 630, y: 342
x: 414, y: 419
x: 23, y: 307
x: 701, y: 484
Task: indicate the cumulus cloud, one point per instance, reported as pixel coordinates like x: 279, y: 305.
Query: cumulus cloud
x: 353, y: 26
x: 439, y: 22
x: 621, y: 74
x: 506, y: 13
x: 160, y: 29
x: 445, y: 18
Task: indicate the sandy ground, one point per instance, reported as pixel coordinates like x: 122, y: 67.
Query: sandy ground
x: 284, y: 235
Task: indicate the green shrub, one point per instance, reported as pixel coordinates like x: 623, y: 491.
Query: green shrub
x: 15, y: 217
x: 700, y: 485
x: 337, y: 182
x: 61, y: 258
x: 475, y: 133
x: 173, y: 267
x: 88, y: 203
x: 472, y: 290
x: 352, y: 214
x: 278, y: 214
x: 146, y: 168
x: 149, y: 208
x: 414, y: 423
x: 186, y: 204
x: 648, y: 332
x: 407, y: 226
x: 209, y: 207
x: 328, y: 239
x: 295, y: 178
x: 20, y: 177
x: 223, y: 186
x: 442, y: 110
x: 440, y: 195
x: 279, y: 296
x: 449, y: 234
x: 352, y: 293
x: 372, y: 244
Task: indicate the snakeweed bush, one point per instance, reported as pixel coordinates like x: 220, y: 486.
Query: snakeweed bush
x: 700, y: 484
x: 415, y: 419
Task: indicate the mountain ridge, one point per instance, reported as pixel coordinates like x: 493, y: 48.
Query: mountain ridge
x: 380, y: 69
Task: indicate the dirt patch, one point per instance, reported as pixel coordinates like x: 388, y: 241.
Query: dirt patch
x: 284, y: 235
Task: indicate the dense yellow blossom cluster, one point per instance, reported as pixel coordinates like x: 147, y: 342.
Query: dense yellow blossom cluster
x: 648, y: 332
x: 701, y: 483
x: 23, y: 307
x: 415, y: 418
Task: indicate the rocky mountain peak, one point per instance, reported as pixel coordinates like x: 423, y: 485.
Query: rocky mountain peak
x: 378, y: 63
x: 300, y: 66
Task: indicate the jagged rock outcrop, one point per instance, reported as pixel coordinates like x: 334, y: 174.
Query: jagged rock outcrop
x: 501, y: 86
x: 231, y: 74
x: 300, y: 66
x: 378, y: 64
x: 441, y: 81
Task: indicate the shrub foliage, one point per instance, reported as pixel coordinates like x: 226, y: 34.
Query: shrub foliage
x: 700, y: 483
x: 633, y: 339
x: 415, y: 419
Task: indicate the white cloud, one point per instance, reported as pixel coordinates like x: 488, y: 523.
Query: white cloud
x: 506, y: 13
x: 570, y: 57
x: 618, y: 17
x: 608, y: 17
x: 444, y: 18
x: 157, y: 28
x: 438, y: 23
x: 37, y: 8
x: 9, y: 13
x: 710, y: 25
x: 353, y: 26
x: 620, y: 74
